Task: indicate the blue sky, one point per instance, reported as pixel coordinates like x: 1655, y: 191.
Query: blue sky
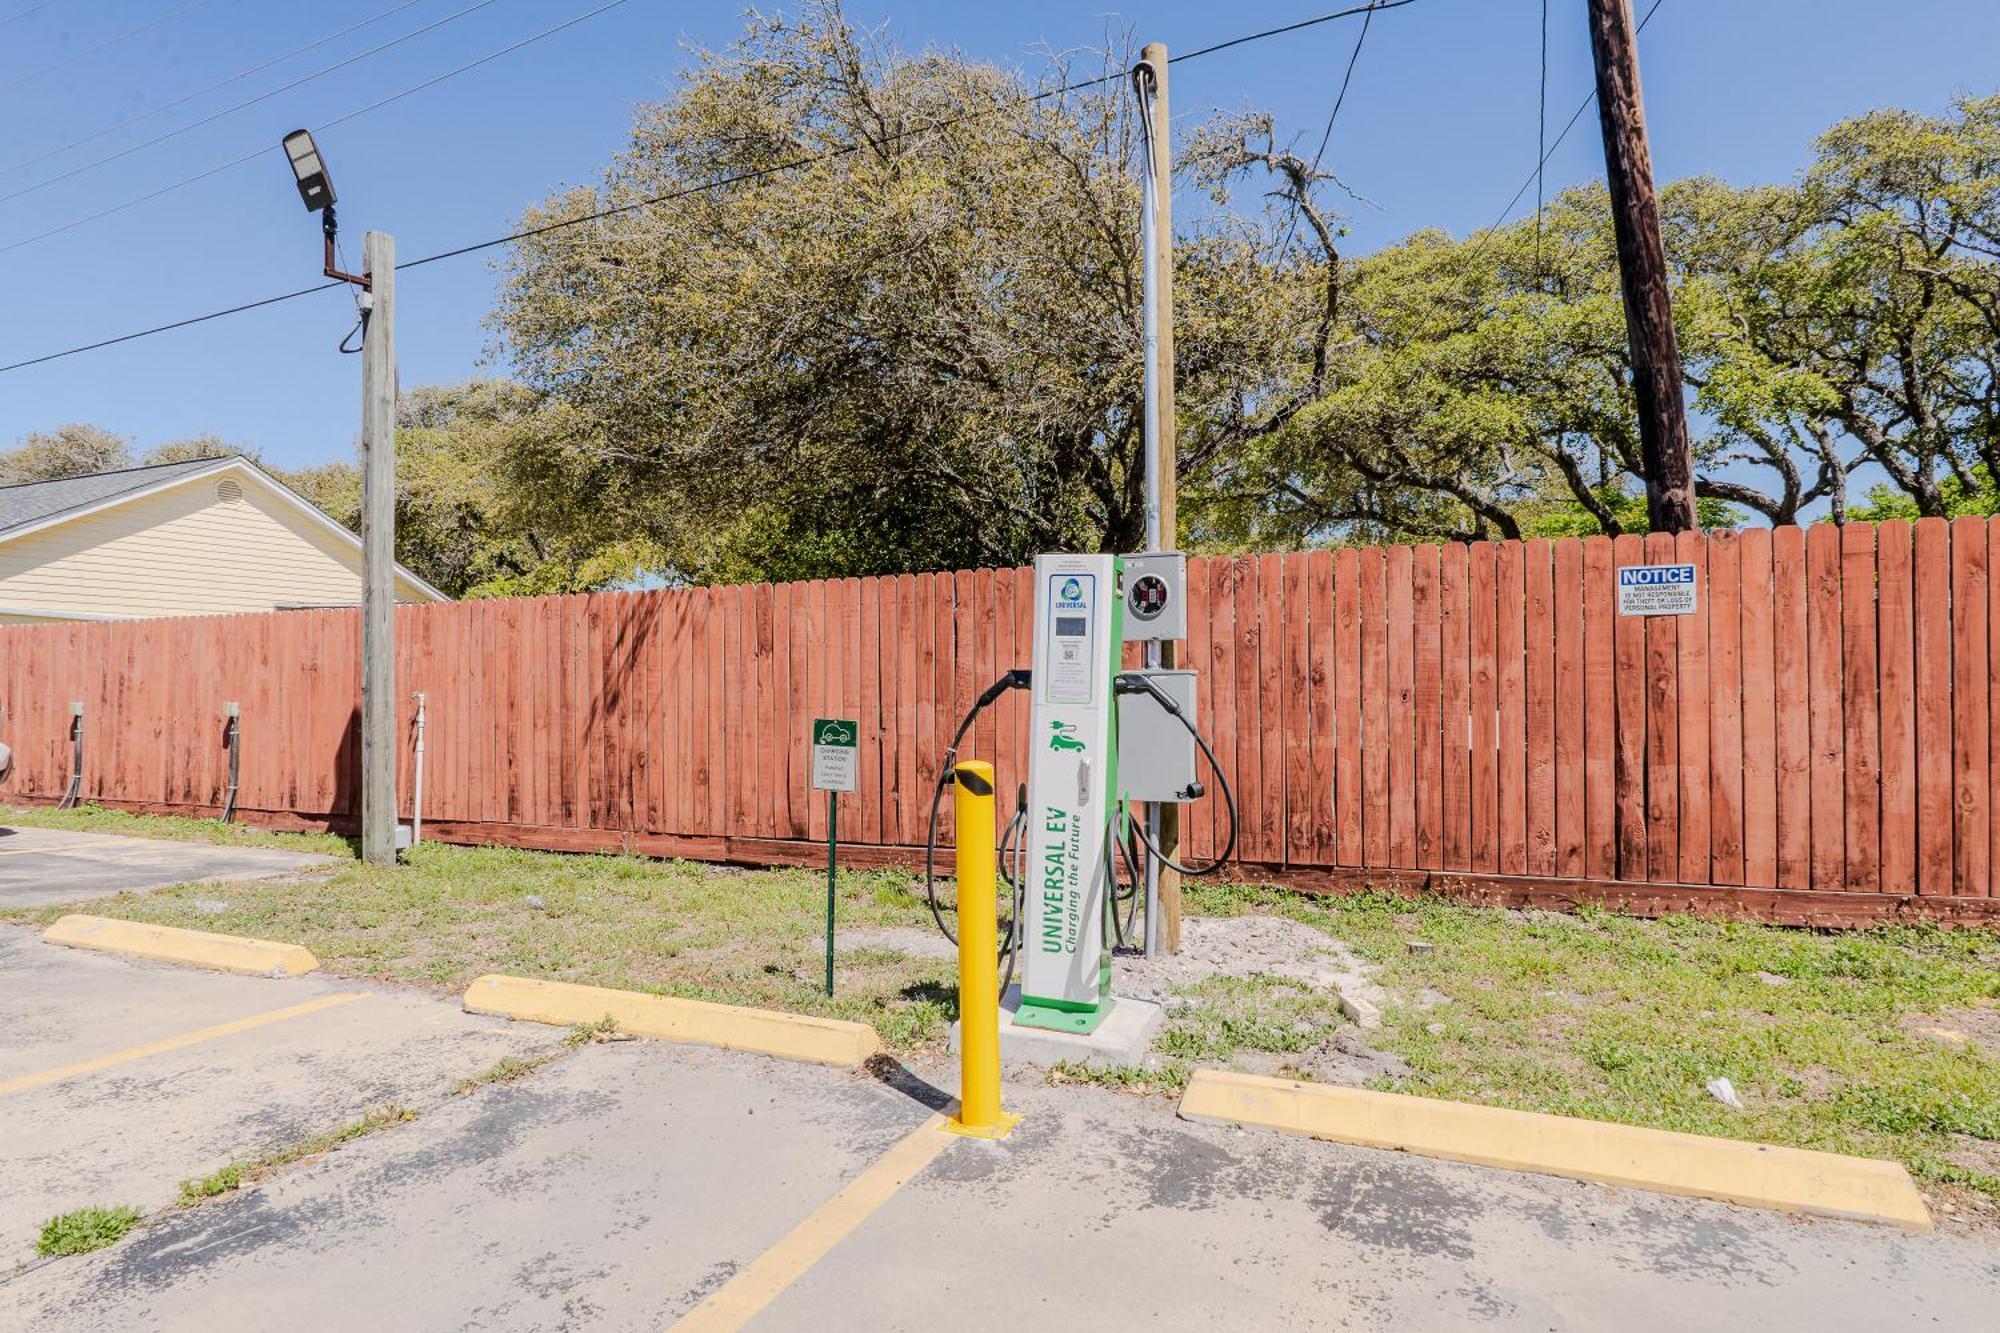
x: 1439, y: 130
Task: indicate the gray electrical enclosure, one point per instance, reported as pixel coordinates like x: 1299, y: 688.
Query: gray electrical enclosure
x: 1155, y: 596
x: 1156, y: 754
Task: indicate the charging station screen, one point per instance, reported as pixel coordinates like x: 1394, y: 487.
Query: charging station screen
x: 1069, y: 651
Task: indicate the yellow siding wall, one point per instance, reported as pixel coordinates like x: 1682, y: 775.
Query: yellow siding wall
x: 183, y: 551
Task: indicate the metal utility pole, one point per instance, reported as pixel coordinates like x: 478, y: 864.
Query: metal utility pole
x: 378, y: 550
x: 1642, y: 269
x: 1163, y: 888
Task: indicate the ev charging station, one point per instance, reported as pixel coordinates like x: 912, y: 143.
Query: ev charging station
x: 1100, y: 737
x: 1072, y: 785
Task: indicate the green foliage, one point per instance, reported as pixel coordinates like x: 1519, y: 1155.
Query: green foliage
x: 467, y: 518
x: 924, y: 353
x: 920, y: 352
x: 75, y: 450
x: 922, y: 349
x: 86, y: 1229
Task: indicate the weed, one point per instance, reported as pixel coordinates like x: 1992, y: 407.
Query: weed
x: 85, y: 1230
x: 235, y: 1175
x: 507, y: 1069
x: 1168, y: 1076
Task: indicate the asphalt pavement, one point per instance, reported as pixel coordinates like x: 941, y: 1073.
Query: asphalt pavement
x: 42, y: 867
x: 623, y: 1185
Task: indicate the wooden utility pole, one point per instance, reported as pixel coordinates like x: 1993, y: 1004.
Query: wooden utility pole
x: 378, y: 552
x: 1642, y: 269
x: 1163, y: 462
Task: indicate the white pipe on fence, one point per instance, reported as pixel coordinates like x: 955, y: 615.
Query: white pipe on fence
x: 417, y: 794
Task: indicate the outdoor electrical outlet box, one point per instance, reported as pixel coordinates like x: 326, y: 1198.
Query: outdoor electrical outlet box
x: 1155, y: 596
x: 1156, y: 754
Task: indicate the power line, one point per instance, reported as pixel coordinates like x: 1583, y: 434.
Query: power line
x: 108, y: 43
x: 1541, y: 136
x: 1568, y: 125
x: 214, y: 116
x: 30, y: 10
x: 252, y: 156
x: 737, y: 178
x: 1340, y: 98
x: 129, y: 121
x: 1289, y: 28
x: 167, y: 328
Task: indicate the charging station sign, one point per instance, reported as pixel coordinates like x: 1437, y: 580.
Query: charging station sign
x: 1656, y: 590
x: 836, y: 754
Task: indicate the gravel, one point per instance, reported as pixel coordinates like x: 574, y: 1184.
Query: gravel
x: 1247, y: 946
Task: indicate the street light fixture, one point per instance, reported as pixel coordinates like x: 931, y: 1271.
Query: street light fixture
x: 377, y: 325
x: 316, y: 191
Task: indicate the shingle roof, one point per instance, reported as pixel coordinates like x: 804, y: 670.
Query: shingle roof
x: 33, y: 501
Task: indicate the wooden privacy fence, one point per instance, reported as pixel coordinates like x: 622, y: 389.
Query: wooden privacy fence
x: 1820, y: 741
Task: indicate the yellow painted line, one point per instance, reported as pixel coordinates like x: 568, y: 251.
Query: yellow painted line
x: 828, y: 1041
x: 194, y: 948
x: 1755, y: 1175
x: 744, y: 1296
x: 24, y: 1082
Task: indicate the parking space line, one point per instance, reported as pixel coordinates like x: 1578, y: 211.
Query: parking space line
x: 24, y: 1082
x: 744, y: 1296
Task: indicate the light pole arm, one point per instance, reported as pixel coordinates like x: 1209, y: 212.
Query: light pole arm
x: 328, y: 226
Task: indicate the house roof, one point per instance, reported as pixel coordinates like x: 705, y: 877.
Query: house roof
x: 35, y: 501
x: 32, y: 506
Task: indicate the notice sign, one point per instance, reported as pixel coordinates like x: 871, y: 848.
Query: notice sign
x: 836, y: 759
x: 1656, y: 590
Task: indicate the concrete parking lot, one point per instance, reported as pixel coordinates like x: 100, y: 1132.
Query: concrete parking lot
x: 44, y: 867
x: 623, y: 1185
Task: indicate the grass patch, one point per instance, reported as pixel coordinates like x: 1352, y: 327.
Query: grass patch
x: 234, y: 1176
x: 86, y: 1229
x: 1588, y: 1014
x: 1614, y: 1018
x: 1256, y: 1023
x: 451, y: 914
x: 175, y: 828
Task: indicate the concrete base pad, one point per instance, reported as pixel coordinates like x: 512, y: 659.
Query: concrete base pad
x: 1121, y: 1039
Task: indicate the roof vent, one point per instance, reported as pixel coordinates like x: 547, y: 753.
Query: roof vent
x: 229, y: 490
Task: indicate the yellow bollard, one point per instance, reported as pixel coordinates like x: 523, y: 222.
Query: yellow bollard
x: 979, y: 1114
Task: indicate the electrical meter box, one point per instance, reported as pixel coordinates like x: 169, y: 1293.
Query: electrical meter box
x: 1156, y: 759
x: 1155, y: 596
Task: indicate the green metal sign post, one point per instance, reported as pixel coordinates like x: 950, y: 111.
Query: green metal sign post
x: 836, y: 763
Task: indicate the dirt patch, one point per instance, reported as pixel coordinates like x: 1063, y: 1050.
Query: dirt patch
x: 1344, y: 1059
x: 1977, y: 1026
x: 1251, y: 946
x: 911, y: 941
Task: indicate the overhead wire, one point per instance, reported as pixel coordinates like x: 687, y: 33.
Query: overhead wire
x: 248, y: 102
x: 252, y: 156
x: 735, y: 178
x: 1339, y: 100
x: 129, y: 121
x: 30, y: 11
x: 104, y: 45
x: 1541, y: 137
x: 1550, y: 151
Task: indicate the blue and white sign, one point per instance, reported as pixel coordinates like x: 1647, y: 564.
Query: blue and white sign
x: 1656, y: 590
